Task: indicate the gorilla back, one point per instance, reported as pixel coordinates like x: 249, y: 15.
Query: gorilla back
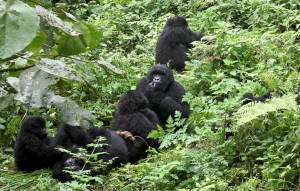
x: 173, y: 43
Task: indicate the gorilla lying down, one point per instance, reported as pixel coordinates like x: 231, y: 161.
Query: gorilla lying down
x: 174, y: 42
x: 114, y: 147
x: 35, y: 150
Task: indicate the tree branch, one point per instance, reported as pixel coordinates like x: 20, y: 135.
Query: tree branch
x: 16, y: 69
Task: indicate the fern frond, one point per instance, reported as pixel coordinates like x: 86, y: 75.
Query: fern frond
x: 253, y: 110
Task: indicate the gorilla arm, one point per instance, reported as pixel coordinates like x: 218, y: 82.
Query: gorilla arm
x: 173, y: 102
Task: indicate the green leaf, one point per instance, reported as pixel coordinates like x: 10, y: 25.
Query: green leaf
x: 6, y: 100
x: 31, y: 86
x: 89, y: 37
x: 71, y: 113
x: 19, y: 24
x: 108, y: 66
x: 36, y: 45
x: 53, y: 20
x: 59, y: 69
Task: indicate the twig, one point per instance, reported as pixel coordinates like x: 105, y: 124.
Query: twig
x: 16, y: 69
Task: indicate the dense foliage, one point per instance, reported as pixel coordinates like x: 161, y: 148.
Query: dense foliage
x: 249, y: 46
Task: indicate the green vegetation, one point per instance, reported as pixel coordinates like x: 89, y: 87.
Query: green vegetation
x: 74, y: 68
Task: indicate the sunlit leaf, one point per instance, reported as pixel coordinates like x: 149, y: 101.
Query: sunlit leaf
x: 59, y: 69
x: 53, y: 20
x: 19, y: 24
x: 71, y: 113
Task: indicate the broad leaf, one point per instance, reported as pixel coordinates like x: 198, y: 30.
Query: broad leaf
x: 59, y: 69
x: 19, y: 24
x: 71, y: 113
x: 32, y: 85
x: 108, y: 66
x: 2, y: 92
x: 6, y: 100
x: 89, y: 37
x: 53, y: 20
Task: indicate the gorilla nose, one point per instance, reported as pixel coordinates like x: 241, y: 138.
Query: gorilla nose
x: 156, y: 79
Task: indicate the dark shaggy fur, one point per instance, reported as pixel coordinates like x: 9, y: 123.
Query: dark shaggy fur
x: 164, y: 93
x: 115, y: 147
x: 33, y: 149
x: 174, y: 42
x: 134, y: 116
x: 248, y: 97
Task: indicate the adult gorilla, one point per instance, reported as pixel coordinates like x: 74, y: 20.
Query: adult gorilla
x: 173, y: 43
x: 164, y: 93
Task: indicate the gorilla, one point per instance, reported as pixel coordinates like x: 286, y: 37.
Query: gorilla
x: 248, y: 97
x: 68, y: 161
x: 134, y: 116
x: 114, y: 146
x: 34, y: 149
x: 164, y: 93
x: 68, y: 136
x: 174, y: 42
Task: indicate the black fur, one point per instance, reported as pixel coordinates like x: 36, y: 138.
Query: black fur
x: 68, y: 135
x: 34, y: 149
x: 164, y: 93
x: 115, y: 147
x: 173, y: 43
x: 248, y: 97
x: 133, y: 115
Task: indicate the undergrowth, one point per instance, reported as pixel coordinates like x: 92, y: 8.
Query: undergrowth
x: 249, y: 46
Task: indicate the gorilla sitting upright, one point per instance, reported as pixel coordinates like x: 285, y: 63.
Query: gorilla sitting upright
x: 34, y: 149
x: 174, y: 42
x: 164, y: 93
x: 134, y: 116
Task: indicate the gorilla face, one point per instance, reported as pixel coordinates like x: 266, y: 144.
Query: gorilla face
x: 159, y: 77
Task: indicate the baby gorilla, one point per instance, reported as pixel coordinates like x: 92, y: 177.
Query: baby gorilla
x: 114, y: 146
x: 134, y: 116
x: 164, y: 93
x: 174, y: 42
x: 33, y: 149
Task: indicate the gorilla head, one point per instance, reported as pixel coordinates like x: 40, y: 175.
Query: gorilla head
x: 131, y: 102
x: 35, y: 125
x: 160, y: 76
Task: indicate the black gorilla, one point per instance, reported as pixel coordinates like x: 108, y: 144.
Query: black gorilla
x: 68, y: 136
x: 174, y: 42
x: 68, y: 161
x: 164, y: 93
x: 34, y: 149
x: 75, y: 137
x: 248, y: 97
x: 134, y: 116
